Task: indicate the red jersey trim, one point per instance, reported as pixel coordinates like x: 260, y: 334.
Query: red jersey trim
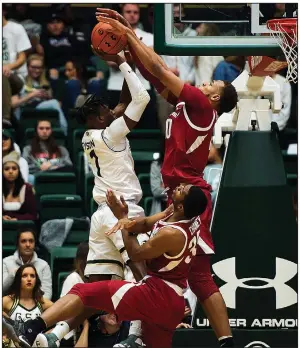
x: 200, y: 129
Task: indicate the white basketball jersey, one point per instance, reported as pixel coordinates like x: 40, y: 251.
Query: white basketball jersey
x: 112, y: 165
x: 20, y: 313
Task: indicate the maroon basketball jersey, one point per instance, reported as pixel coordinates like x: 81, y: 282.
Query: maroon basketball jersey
x: 188, y: 135
x: 175, y: 268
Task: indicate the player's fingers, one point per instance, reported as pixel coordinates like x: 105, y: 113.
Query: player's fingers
x: 123, y: 201
x: 130, y: 224
x: 113, y: 229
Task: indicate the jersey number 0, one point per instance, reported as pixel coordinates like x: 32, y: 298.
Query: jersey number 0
x: 93, y: 155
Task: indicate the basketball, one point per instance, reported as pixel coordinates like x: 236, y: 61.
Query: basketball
x: 105, y: 41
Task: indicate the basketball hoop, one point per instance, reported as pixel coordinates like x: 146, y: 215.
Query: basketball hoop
x: 285, y: 32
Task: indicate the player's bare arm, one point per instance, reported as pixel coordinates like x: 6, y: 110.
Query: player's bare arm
x: 151, y: 61
x: 167, y: 241
x: 134, y: 225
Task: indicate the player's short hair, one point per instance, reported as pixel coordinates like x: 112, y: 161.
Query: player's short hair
x: 91, y: 106
x: 228, y: 98
x: 194, y: 202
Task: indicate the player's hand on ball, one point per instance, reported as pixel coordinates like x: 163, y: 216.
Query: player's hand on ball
x: 121, y: 225
x: 116, y: 58
x: 106, y: 12
x: 118, y: 207
x: 117, y: 27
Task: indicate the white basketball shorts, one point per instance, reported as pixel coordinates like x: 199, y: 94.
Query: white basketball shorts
x: 107, y: 254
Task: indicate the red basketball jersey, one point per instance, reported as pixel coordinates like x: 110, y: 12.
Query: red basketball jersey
x: 175, y: 268
x: 188, y: 135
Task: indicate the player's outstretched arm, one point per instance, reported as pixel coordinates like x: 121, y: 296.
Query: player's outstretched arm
x: 167, y: 240
x: 135, y: 225
x: 147, y: 57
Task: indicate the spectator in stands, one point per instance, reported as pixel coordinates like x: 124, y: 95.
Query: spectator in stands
x: 8, y: 146
x: 77, y: 276
x: 206, y: 65
x: 59, y: 46
x: 25, y: 254
x: 160, y: 196
x: 283, y: 116
x: 230, y: 68
x: 44, y: 154
x: 22, y: 15
x: 25, y: 297
x: 131, y: 13
x: 182, y: 66
x: 18, y: 197
x: 213, y: 170
x: 77, y: 83
x: 37, y: 92
x: 15, y: 43
x: 103, y: 331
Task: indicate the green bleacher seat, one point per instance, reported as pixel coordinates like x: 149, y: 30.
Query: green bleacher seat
x: 58, y: 134
x: 53, y: 183
x: 29, y: 117
x: 79, y: 232
x: 61, y: 260
x: 144, y: 179
x: 9, y: 230
x: 292, y: 180
x: 147, y: 205
x: 60, y: 280
x: 80, y: 173
x: 145, y: 140
x: 60, y: 206
x: 72, y: 125
x: 8, y: 250
x: 142, y: 161
x: 88, y: 189
x: 76, y: 144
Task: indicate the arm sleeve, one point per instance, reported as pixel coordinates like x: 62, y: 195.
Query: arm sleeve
x: 23, y: 42
x: 155, y: 180
x: 47, y: 282
x: 117, y: 131
x: 33, y: 168
x: 65, y: 157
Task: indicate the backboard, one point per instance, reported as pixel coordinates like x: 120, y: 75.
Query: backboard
x: 241, y: 28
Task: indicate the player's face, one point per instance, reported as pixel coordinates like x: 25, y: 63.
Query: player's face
x: 28, y: 279
x: 131, y: 12
x: 35, y: 68
x: 109, y: 324
x: 44, y: 130
x: 180, y: 192
x: 212, y: 89
x: 70, y: 71
x: 10, y: 171
x: 26, y: 244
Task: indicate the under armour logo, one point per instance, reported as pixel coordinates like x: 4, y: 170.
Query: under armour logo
x: 285, y: 270
x: 256, y: 344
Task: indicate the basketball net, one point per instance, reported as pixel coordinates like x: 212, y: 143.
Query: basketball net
x: 284, y: 31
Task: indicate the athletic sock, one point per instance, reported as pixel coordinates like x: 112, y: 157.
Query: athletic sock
x: 135, y: 328
x: 33, y: 328
x: 61, y: 329
x: 226, y: 341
